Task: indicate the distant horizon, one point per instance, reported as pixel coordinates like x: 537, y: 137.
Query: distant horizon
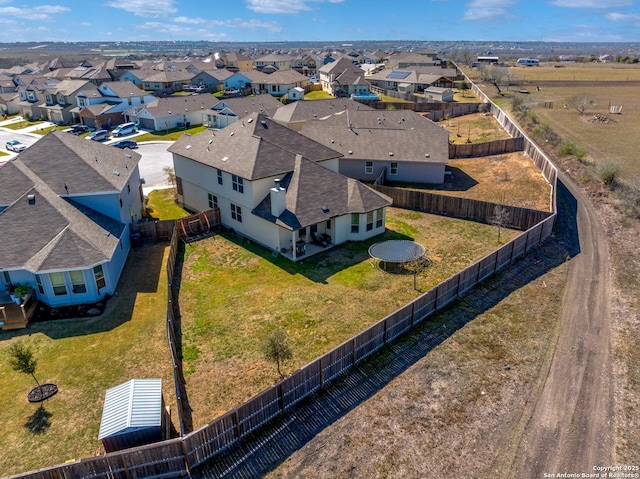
x: 274, y: 21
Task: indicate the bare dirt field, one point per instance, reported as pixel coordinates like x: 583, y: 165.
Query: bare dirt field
x: 475, y: 128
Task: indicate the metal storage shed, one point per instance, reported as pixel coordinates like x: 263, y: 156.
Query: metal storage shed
x: 133, y: 414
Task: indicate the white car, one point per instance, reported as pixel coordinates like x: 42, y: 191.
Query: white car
x: 15, y: 145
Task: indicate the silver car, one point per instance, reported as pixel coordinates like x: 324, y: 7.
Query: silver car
x: 15, y: 145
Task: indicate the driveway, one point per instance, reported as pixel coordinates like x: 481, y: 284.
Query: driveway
x: 154, y: 158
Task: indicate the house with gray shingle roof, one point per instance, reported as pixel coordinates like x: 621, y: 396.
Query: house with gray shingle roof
x: 171, y: 112
x: 343, y: 78
x: 105, y: 106
x: 295, y: 115
x: 60, y: 100
x: 409, y: 147
x: 230, y: 110
x: 275, y: 186
x: 65, y: 208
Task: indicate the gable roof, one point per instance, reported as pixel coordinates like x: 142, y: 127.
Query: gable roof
x: 315, y: 193
x: 367, y: 139
x: 121, y: 89
x: 163, y: 107
x: 254, y: 148
x: 307, y: 110
x: 242, y: 106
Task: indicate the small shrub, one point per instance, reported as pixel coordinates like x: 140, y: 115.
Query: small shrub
x: 567, y: 148
x: 609, y: 173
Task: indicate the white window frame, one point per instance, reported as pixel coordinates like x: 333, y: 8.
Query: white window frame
x: 368, y: 167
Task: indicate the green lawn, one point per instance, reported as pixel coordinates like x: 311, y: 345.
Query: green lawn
x: 317, y: 95
x: 84, y: 357
x: 44, y: 131
x: 19, y: 125
x: 170, y: 135
x: 161, y: 205
x: 233, y: 293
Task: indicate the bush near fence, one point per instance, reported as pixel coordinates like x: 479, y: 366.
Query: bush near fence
x: 174, y: 458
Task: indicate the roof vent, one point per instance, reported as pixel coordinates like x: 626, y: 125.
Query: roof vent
x: 427, y: 155
x: 210, y: 141
x: 351, y: 152
x: 224, y: 158
x: 249, y: 120
x: 188, y: 147
x: 232, y: 133
x: 116, y: 172
x: 391, y: 153
x: 31, y: 199
x: 324, y: 208
x: 264, y: 124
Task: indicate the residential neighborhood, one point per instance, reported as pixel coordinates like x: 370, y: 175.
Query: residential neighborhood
x: 287, y: 260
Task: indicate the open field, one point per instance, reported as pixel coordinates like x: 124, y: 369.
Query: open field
x: 233, y: 294
x: 84, y: 357
x: 577, y: 72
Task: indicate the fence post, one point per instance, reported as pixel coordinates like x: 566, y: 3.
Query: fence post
x: 124, y: 467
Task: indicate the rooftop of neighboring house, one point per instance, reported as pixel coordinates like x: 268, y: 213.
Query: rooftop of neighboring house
x: 245, y: 105
x: 69, y: 87
x: 42, y: 227
x: 162, y: 107
x: 368, y: 135
x: 281, y: 77
x: 256, y: 147
x: 120, y: 89
x: 307, y: 110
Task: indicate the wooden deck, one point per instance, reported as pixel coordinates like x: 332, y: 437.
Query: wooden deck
x: 13, y: 316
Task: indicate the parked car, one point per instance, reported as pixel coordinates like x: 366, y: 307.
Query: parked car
x: 125, y: 144
x: 77, y: 129
x: 124, y: 129
x: 15, y: 145
x: 99, y: 135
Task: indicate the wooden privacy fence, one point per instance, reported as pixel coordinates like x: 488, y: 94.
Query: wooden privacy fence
x: 453, y: 111
x: 488, y: 148
x: 176, y: 457
x: 518, y: 218
x: 154, y: 230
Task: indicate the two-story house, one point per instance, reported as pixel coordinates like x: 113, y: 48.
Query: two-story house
x: 171, y: 112
x: 278, y: 61
x: 65, y: 208
x: 31, y: 90
x: 60, y: 99
x: 275, y: 186
x: 343, y: 78
x: 105, y: 106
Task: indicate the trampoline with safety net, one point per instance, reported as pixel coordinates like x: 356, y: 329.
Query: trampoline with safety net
x: 395, y: 254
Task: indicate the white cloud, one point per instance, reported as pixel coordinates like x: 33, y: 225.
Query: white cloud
x: 190, y: 21
x: 146, y: 8
x: 623, y: 17
x: 590, y: 3
x: 483, y: 10
x: 42, y: 13
x: 283, y: 6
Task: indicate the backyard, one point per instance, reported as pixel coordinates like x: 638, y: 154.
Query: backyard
x: 85, y: 357
x: 234, y: 293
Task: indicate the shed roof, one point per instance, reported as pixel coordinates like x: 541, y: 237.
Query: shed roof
x: 135, y: 404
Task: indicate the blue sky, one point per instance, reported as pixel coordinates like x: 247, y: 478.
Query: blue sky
x: 320, y: 20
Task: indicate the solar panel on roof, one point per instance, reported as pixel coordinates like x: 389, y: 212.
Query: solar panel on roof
x: 399, y: 74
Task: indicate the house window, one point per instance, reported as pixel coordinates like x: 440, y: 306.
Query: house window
x: 98, y: 275
x: 39, y: 284
x: 179, y: 185
x: 368, y: 167
x: 213, y: 201
x: 379, y: 217
x: 58, y: 284
x: 128, y: 188
x: 120, y: 200
x: 81, y: 102
x: 78, y: 285
x: 369, y: 220
x: 156, y: 85
x: 130, y: 101
x: 355, y: 222
x: 7, y: 276
x: 328, y: 226
x: 236, y: 213
x: 238, y: 184
x: 302, y: 233
x: 142, y: 100
x: 394, y: 168
x: 219, y: 177
x: 31, y: 96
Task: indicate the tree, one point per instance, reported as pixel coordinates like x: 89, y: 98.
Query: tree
x: 494, y: 75
x: 170, y: 174
x: 500, y: 219
x: 21, y: 360
x: 581, y: 102
x: 276, y: 348
x: 417, y: 266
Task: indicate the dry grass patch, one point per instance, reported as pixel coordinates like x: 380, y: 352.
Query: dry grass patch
x: 84, y: 357
x: 577, y: 72
x: 474, y: 128
x: 232, y: 294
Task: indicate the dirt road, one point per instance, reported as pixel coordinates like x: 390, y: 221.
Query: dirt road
x: 570, y: 429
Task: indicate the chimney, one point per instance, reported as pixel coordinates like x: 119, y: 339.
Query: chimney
x: 278, y: 199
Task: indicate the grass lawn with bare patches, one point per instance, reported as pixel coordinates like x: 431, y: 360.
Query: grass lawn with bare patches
x: 161, y: 205
x: 474, y: 128
x: 85, y: 357
x: 232, y: 294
